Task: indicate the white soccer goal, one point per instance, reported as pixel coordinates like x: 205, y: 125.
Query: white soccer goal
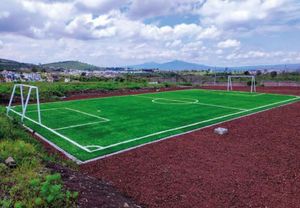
x: 24, y: 102
x: 252, y: 78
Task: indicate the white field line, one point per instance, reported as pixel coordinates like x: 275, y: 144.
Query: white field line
x: 94, y: 146
x: 205, y: 104
x: 258, y: 94
x: 79, y: 125
x: 193, y: 124
x: 236, y: 93
x: 192, y: 101
x: 50, y: 109
x: 54, y: 146
x: 53, y: 131
x: 78, y: 111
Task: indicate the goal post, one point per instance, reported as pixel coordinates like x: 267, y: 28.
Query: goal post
x: 25, y: 99
x: 252, y: 78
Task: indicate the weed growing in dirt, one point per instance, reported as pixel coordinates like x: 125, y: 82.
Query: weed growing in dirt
x: 30, y: 184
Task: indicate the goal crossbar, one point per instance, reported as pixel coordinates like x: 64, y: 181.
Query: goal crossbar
x: 230, y: 85
x: 24, y: 102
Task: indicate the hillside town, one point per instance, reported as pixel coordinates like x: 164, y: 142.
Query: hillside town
x: 20, y: 76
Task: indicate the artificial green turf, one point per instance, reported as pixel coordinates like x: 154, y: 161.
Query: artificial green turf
x: 138, y: 119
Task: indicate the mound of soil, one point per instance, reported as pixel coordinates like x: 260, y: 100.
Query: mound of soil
x: 92, y: 192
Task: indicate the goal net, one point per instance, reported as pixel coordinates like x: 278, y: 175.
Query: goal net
x: 26, y: 91
x: 249, y: 77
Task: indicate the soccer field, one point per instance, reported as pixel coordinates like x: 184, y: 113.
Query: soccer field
x: 93, y: 128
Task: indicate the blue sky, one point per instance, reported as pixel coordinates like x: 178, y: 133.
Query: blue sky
x: 118, y: 33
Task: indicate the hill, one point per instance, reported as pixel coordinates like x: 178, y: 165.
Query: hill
x: 175, y: 65
x: 77, y: 65
x: 6, y: 64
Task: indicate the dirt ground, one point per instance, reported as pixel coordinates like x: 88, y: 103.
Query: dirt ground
x: 255, y: 165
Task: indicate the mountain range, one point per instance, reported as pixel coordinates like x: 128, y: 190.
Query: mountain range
x: 182, y: 65
x: 176, y: 65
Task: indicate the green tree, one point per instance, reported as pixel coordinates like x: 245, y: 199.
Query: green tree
x: 246, y: 73
x: 273, y: 74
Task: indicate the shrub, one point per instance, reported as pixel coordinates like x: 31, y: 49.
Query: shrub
x: 250, y: 82
x: 18, y: 149
x: 6, y: 130
x: 30, y: 184
x: 49, y: 193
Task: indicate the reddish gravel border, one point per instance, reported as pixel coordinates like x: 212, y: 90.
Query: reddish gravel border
x: 255, y: 165
x: 275, y: 90
x: 107, y: 93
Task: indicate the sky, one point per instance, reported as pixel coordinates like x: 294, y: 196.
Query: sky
x: 127, y: 32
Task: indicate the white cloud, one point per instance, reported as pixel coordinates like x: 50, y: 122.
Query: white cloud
x: 219, y: 51
x: 123, y: 32
x: 1, y: 44
x: 4, y: 14
x: 228, y: 12
x: 230, y: 43
x: 99, y: 6
x: 150, y: 8
x: 85, y: 27
x: 259, y: 54
x: 57, y: 10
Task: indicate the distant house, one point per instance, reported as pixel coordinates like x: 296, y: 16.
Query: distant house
x: 2, y: 79
x: 49, y: 78
x: 32, y: 77
x: 55, y: 77
x: 150, y: 70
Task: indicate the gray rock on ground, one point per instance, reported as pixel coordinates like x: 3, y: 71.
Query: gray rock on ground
x: 10, y: 162
x: 221, y: 131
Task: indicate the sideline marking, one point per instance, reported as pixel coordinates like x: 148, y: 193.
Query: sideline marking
x: 94, y: 146
x: 78, y: 111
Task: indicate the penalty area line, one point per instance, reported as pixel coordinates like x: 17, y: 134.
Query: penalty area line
x: 88, y: 114
x: 49, y: 109
x: 53, y: 131
x: 79, y: 125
